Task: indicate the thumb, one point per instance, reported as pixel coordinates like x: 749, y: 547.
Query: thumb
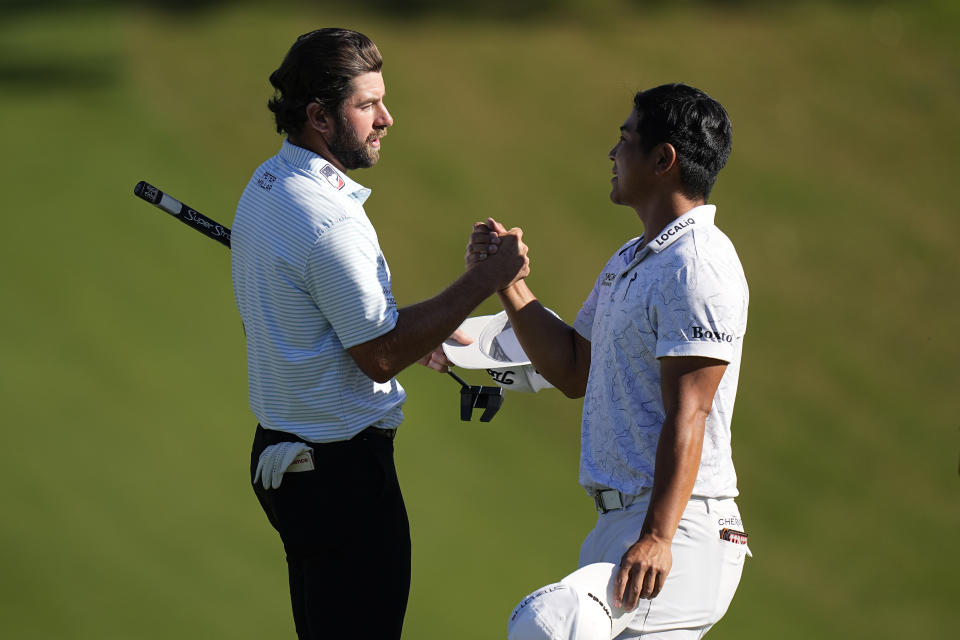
x: 496, y: 226
x: 461, y: 336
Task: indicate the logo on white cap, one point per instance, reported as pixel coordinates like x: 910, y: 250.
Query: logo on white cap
x: 494, y: 345
x: 495, y: 348
x: 579, y: 607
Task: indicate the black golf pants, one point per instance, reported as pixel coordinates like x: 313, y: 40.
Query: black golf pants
x: 345, y: 531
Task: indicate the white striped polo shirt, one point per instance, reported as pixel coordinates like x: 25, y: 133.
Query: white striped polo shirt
x: 310, y: 281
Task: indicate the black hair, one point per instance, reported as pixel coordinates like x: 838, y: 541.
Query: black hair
x: 695, y: 124
x: 319, y: 68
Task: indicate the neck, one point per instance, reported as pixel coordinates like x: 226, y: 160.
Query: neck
x: 660, y: 212
x: 318, y: 146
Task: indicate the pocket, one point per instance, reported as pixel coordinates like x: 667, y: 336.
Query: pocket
x: 733, y: 548
x: 733, y: 556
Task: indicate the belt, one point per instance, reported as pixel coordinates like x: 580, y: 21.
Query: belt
x: 613, y: 500
x: 380, y: 432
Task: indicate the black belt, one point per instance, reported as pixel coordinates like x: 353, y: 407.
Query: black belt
x: 274, y: 436
x: 613, y: 500
x: 380, y: 432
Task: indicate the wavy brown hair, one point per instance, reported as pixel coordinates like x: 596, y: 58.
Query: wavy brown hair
x: 319, y: 68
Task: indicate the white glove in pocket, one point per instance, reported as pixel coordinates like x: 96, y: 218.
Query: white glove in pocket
x: 277, y: 459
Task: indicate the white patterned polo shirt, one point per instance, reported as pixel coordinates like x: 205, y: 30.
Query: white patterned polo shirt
x: 683, y: 294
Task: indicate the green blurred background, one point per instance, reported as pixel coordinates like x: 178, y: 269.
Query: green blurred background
x: 126, y: 508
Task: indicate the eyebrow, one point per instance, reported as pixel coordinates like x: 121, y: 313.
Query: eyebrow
x: 368, y: 99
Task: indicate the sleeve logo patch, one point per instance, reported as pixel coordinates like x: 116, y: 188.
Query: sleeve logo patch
x: 332, y: 177
x: 388, y: 296
x: 699, y: 333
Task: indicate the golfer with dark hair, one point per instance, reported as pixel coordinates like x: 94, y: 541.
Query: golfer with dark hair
x: 655, y: 352
x: 325, y: 340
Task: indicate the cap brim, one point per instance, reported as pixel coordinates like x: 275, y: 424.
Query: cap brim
x: 469, y: 356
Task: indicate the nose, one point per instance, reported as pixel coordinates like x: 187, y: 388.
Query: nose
x: 384, y: 119
x: 613, y: 152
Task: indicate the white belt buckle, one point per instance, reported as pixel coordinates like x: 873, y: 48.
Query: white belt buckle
x: 608, y: 500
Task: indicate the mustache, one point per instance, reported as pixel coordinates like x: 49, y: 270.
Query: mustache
x: 377, y: 134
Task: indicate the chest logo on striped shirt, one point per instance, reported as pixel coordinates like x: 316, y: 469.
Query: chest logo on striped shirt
x: 266, y: 181
x: 332, y: 177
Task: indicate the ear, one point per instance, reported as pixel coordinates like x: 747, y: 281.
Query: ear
x: 318, y: 119
x: 665, y: 158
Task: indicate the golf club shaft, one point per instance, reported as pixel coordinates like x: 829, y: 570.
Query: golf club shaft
x: 187, y: 215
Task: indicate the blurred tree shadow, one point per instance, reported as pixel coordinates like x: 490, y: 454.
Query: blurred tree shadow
x: 50, y: 76
x: 14, y: 8
x: 504, y: 10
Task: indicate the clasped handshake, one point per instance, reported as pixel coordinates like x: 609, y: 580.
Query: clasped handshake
x: 499, y: 253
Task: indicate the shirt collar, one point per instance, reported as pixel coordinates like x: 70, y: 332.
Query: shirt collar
x: 322, y: 169
x: 701, y: 216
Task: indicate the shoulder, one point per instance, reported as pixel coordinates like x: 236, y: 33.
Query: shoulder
x: 702, y: 246
x: 704, y: 261
x: 302, y: 199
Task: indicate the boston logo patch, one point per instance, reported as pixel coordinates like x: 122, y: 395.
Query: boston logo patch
x: 699, y: 333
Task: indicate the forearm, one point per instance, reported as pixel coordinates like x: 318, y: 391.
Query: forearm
x: 421, y: 327
x: 675, y: 474
x: 554, y: 347
x: 687, y: 385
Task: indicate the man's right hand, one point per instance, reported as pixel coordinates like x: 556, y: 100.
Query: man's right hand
x: 499, y: 253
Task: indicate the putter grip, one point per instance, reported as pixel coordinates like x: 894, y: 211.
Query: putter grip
x: 187, y: 215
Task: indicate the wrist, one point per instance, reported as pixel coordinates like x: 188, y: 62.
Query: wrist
x: 474, y: 282
x: 516, y: 296
x: 658, y: 536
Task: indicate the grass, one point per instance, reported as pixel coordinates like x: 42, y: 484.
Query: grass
x: 126, y: 508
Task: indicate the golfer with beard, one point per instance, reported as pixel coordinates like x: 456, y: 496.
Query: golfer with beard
x: 325, y: 339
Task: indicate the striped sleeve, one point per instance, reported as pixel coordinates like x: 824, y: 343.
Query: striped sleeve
x: 348, y: 279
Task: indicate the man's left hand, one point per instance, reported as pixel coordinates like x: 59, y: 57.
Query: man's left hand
x: 643, y: 570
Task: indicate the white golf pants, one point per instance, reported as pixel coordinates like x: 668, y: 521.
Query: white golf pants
x: 703, y: 578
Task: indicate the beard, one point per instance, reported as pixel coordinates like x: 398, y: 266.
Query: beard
x: 350, y: 150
